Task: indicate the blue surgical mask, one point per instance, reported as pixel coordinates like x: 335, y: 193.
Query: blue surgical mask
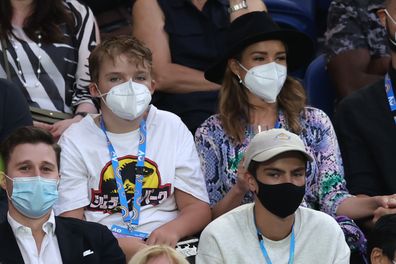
x: 33, y: 196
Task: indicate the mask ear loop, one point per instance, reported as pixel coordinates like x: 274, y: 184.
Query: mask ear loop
x: 3, y: 178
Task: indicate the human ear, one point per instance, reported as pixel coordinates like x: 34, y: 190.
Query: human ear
x: 376, y: 256
x: 2, y: 180
x: 234, y: 67
x: 382, y: 16
x: 152, y: 86
x: 93, y: 89
x: 253, y: 187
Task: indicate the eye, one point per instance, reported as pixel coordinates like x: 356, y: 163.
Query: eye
x: 281, y: 58
x: 299, y: 174
x: 24, y: 168
x: 273, y: 174
x: 259, y: 58
x: 140, y: 78
x: 47, y: 169
x: 114, y: 79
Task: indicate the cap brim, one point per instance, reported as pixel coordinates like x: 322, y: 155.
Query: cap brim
x: 269, y: 154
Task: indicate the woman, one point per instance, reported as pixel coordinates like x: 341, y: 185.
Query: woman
x: 47, y: 43
x: 257, y: 93
x: 185, y: 38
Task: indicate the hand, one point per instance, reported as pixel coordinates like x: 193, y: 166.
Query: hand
x: 130, y: 245
x: 59, y: 127
x: 163, y: 235
x: 386, y: 201
x: 380, y: 211
x: 242, y: 183
x: 42, y: 125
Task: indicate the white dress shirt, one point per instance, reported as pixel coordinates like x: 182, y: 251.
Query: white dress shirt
x: 49, y: 252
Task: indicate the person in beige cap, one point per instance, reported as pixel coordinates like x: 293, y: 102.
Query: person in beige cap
x: 274, y: 228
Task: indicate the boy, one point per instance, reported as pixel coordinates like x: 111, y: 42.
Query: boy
x: 143, y: 184
x: 381, y: 245
x: 274, y: 229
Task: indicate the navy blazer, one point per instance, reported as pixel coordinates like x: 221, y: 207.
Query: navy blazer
x: 74, y: 238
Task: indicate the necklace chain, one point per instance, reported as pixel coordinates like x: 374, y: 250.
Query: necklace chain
x: 18, y: 61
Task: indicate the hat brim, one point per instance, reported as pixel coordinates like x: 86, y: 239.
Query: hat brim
x: 299, y: 51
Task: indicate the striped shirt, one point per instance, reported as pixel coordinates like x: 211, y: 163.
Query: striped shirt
x: 63, y: 80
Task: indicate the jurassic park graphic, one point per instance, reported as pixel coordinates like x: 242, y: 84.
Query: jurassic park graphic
x: 106, y: 197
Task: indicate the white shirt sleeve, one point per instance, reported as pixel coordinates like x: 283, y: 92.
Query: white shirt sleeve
x: 73, y: 186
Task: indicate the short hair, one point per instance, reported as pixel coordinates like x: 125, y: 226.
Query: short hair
x: 116, y: 46
x: 144, y: 255
x: 27, y: 135
x: 383, y: 236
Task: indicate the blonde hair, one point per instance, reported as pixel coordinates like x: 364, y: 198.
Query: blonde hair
x: 150, y: 252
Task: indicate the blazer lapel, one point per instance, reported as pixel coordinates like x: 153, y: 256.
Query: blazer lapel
x: 70, y: 245
x: 9, y: 250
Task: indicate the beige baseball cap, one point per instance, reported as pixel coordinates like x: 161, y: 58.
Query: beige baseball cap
x: 270, y: 143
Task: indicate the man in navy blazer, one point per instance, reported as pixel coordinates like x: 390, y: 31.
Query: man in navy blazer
x: 32, y: 234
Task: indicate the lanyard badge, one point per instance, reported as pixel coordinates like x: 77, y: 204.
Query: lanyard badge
x: 390, y: 95
x: 131, y: 219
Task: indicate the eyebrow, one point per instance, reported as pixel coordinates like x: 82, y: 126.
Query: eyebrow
x: 279, y: 170
x: 24, y: 162
x: 266, y: 53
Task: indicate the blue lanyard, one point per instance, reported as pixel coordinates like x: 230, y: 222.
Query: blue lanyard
x: 131, y: 222
x: 390, y: 94
x: 265, y: 253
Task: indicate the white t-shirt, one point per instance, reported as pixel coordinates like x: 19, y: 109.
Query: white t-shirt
x: 232, y: 238
x: 87, y: 178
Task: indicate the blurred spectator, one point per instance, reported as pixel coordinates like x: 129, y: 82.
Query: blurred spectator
x: 113, y: 17
x: 381, y: 245
x: 365, y: 125
x: 158, y: 254
x: 356, y: 44
x: 47, y: 44
x: 186, y: 37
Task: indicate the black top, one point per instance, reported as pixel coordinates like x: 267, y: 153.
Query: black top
x: 366, y: 132
x: 14, y: 113
x: 196, y: 40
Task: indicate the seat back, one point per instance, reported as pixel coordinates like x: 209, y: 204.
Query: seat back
x: 297, y: 14
x: 320, y: 90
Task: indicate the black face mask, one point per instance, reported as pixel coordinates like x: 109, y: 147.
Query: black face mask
x: 280, y: 199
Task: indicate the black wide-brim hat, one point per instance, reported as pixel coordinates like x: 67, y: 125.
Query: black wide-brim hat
x: 258, y: 26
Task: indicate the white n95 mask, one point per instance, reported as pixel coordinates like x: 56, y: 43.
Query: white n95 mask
x: 265, y: 81
x: 128, y: 100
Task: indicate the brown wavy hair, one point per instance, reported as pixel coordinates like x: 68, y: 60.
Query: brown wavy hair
x: 234, y: 105
x: 48, y: 17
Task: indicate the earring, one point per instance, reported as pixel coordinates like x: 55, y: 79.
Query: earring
x: 240, y: 80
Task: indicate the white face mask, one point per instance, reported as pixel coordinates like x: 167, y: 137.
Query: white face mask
x: 128, y: 100
x: 265, y: 81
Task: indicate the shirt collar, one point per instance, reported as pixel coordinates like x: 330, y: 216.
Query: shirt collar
x: 48, y: 226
